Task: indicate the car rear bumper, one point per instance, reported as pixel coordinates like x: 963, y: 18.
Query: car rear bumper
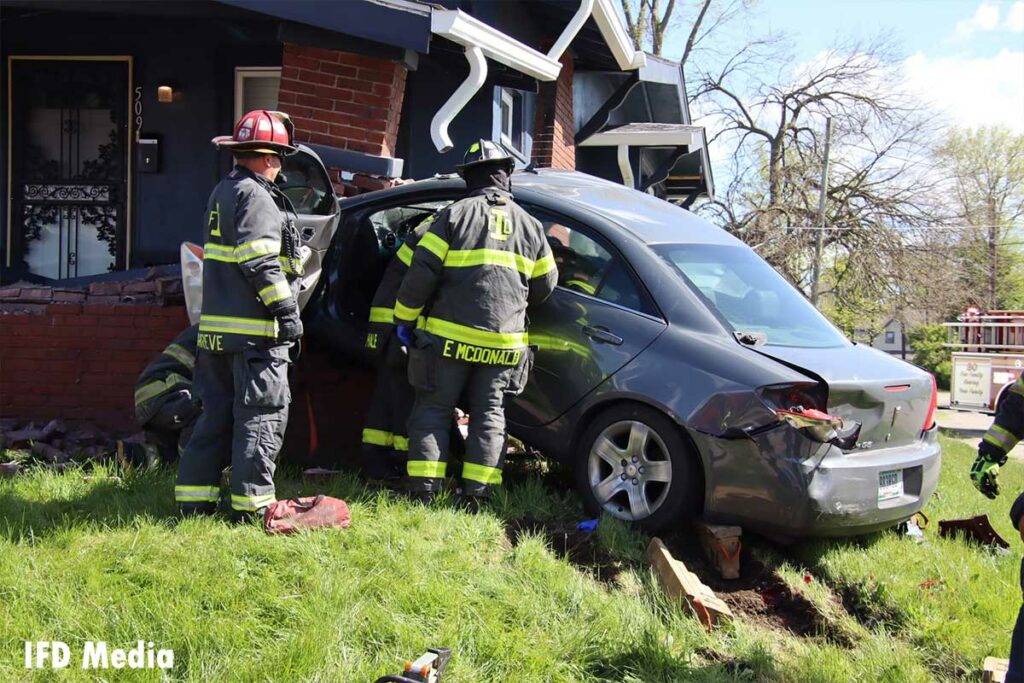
x: 818, y: 490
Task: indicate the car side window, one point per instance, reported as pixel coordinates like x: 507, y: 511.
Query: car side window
x: 586, y: 266
x: 306, y: 185
x: 393, y: 224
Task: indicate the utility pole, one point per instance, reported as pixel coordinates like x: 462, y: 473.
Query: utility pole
x: 819, y: 240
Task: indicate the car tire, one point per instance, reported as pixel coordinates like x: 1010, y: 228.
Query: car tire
x: 632, y: 455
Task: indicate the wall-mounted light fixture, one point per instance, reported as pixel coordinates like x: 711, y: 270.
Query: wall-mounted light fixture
x: 164, y: 94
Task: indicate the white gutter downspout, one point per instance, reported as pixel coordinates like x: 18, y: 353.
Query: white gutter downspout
x: 479, y: 38
x: 462, y: 95
x: 625, y: 167
x: 575, y: 24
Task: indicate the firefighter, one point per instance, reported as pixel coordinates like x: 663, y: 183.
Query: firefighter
x: 1006, y: 431
x: 248, y: 322
x: 385, y: 438
x: 480, y: 263
x: 164, y: 406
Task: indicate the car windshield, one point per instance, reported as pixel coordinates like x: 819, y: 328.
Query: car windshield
x: 747, y: 292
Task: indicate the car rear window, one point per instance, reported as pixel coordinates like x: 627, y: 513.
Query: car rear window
x: 750, y: 295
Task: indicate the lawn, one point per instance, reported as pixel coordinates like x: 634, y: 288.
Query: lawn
x: 517, y: 592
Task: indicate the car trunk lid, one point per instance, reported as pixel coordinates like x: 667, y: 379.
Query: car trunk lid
x: 888, y: 397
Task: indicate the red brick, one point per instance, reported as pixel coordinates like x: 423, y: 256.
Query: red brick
x: 372, y: 101
x: 315, y: 102
x: 303, y: 62
x: 145, y: 287
x: 318, y: 77
x: 10, y: 293
x: 346, y: 70
x: 289, y: 73
x: 285, y: 97
x: 69, y: 296
x: 104, y: 298
x: 377, y: 75
x: 355, y: 84
x: 105, y: 288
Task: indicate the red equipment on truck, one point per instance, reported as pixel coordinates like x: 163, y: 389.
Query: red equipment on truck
x: 988, y: 356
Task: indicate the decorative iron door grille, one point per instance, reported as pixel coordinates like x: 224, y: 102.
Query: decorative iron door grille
x: 69, y: 177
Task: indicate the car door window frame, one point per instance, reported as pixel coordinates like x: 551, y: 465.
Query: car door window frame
x: 653, y: 312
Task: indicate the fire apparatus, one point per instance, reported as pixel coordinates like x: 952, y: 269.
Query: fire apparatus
x: 988, y: 356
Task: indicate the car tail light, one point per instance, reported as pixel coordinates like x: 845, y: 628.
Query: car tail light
x: 929, y: 419
x: 192, y: 279
x: 802, y: 406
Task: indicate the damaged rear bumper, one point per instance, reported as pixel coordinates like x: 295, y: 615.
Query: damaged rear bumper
x: 782, y: 483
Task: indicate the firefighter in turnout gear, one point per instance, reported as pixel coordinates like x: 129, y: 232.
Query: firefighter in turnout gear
x: 248, y: 322
x: 1006, y: 431
x: 385, y: 437
x: 474, y: 271
x: 164, y: 406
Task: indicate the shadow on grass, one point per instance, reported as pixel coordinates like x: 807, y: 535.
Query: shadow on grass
x: 650, y: 662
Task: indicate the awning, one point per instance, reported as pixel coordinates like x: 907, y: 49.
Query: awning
x: 398, y: 23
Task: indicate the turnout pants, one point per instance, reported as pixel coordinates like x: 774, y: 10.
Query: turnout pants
x: 245, y: 399
x: 385, y: 437
x: 170, y: 428
x: 1015, y: 674
x: 438, y: 390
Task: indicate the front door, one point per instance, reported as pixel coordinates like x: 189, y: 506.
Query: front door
x: 69, y: 166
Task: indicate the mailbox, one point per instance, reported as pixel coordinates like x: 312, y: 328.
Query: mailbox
x: 148, y: 155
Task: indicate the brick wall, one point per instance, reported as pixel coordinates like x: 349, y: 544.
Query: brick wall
x: 554, y: 128
x: 79, y: 361
x: 344, y: 100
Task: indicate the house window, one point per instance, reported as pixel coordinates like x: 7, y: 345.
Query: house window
x: 890, y: 337
x: 256, y: 88
x: 511, y: 120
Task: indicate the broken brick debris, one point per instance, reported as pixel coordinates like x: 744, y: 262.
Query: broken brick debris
x: 683, y: 585
x: 722, y: 546
x: 977, y: 529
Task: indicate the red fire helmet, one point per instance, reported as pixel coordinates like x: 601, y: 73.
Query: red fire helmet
x: 266, y: 132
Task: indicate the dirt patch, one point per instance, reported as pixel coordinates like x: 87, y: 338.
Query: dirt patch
x: 760, y: 595
x: 578, y: 547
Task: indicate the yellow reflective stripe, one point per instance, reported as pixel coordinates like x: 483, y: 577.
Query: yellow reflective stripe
x: 378, y: 437
x: 543, y: 266
x: 431, y: 469
x: 585, y: 286
x: 406, y: 314
x: 250, y: 503
x: 471, y: 335
x: 382, y: 315
x: 490, y: 257
x: 481, y: 473
x: 401, y: 443
x: 1000, y: 437
x: 279, y: 291
x: 231, y: 325
x: 1018, y: 386
x: 405, y: 254
x: 286, y: 265
x: 434, y: 244
x: 262, y: 247
x: 218, y: 252
x: 196, y: 494
x: 181, y: 354
x: 160, y: 386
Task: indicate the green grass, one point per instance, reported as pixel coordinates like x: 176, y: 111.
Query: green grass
x: 108, y: 560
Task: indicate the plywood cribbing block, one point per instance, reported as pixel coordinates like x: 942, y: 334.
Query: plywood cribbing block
x: 995, y: 670
x: 683, y: 585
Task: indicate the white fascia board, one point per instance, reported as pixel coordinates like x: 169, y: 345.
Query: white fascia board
x: 643, y: 139
x: 461, y: 28
x: 615, y: 34
x: 658, y: 70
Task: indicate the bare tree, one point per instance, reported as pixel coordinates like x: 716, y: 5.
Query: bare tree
x: 648, y: 21
x: 878, y: 182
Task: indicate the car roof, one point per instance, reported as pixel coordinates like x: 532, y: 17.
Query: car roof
x: 652, y: 220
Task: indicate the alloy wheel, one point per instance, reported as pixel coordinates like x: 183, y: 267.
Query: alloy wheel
x: 629, y: 470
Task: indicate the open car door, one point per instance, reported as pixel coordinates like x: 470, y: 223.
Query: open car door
x: 309, y: 188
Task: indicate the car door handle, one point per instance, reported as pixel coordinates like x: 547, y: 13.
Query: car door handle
x: 600, y: 334
x: 308, y: 233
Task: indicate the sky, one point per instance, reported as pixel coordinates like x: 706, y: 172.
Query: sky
x: 966, y: 57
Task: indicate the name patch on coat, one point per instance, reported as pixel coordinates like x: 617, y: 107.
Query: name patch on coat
x: 481, y: 354
x: 210, y: 342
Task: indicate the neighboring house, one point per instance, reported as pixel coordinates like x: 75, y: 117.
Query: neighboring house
x: 892, y: 339
x: 110, y: 108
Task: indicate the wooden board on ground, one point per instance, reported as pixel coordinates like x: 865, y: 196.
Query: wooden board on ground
x: 995, y: 670
x: 722, y: 547
x: 683, y: 585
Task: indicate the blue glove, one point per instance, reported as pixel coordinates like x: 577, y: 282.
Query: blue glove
x: 405, y: 336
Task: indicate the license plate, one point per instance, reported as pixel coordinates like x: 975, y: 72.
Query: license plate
x: 890, y: 485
